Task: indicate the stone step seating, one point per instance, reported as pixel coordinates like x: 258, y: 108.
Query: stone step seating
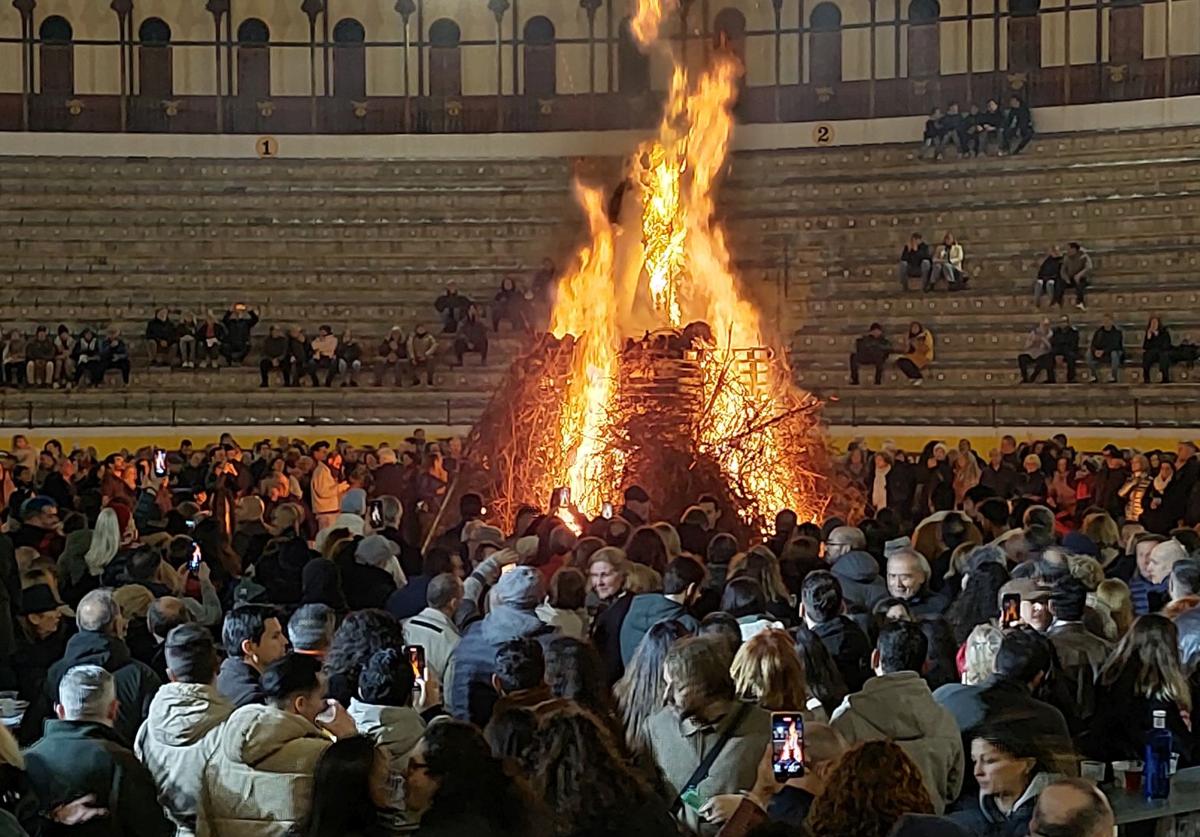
x: 118, y: 206
x: 1166, y: 262
x: 1151, y: 176
x: 234, y: 172
x: 991, y: 378
x: 985, y: 222
x: 113, y: 404
x: 1111, y: 405
x: 1048, y: 149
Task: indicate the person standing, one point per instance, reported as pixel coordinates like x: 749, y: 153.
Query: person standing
x: 1156, y: 350
x: 81, y: 755
x: 327, y: 486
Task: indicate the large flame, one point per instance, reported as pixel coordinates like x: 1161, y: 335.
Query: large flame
x: 676, y: 272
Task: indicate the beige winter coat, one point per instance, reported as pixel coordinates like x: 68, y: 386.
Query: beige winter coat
x: 259, y: 781
x: 179, y: 736
x: 901, y: 708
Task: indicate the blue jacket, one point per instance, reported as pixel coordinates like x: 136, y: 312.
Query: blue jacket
x: 470, y: 695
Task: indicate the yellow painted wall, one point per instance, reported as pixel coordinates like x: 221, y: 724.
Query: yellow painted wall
x: 97, y: 66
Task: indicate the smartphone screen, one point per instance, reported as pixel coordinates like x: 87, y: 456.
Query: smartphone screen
x: 787, y: 745
x: 1010, y: 609
x: 606, y: 511
x: 375, y: 514
x: 560, y: 497
x: 416, y: 658
x: 196, y: 559
x: 160, y: 463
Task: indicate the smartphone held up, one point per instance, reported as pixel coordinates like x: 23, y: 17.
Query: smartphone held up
x: 787, y: 745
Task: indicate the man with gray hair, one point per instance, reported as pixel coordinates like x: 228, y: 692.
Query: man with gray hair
x: 100, y: 642
x: 1072, y: 808
x: 433, y: 628
x: 310, y: 630
x: 856, y: 569
x: 79, y: 756
x: 908, y: 579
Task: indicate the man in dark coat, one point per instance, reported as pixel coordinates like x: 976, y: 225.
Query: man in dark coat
x: 1109, y: 480
x: 821, y: 608
x: 253, y: 639
x: 81, y: 755
x: 100, y: 642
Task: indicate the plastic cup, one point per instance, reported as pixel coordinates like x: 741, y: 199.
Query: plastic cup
x: 1133, y: 777
x: 1093, y: 770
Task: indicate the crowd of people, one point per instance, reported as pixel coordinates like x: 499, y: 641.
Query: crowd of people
x: 300, y: 639
x: 1002, y: 130
x: 1047, y: 344
x: 66, y: 360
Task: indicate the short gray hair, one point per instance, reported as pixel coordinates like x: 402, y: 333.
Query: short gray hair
x: 912, y: 554
x: 85, y: 693
x: 311, y: 627
x: 443, y: 589
x: 97, y: 610
x: 850, y: 536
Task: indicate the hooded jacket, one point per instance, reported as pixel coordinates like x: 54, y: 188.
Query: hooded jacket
x: 849, y: 648
x: 645, y: 611
x: 180, y: 735
x: 258, y: 782
x: 136, y: 682
x: 858, y: 574
x: 989, y: 821
x: 77, y: 758
x: 437, y: 634
x: 470, y: 696
x: 900, y: 707
x: 395, y: 729
x: 238, y: 683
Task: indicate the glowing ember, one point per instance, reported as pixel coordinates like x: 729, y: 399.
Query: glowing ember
x: 675, y: 273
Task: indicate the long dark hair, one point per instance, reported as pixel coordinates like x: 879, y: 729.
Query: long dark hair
x: 582, y: 776
x: 822, y: 677
x: 341, y: 791
x: 574, y: 671
x: 979, y: 600
x: 362, y: 634
x: 474, y: 786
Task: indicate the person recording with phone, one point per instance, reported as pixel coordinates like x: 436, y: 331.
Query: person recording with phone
x: 705, y: 742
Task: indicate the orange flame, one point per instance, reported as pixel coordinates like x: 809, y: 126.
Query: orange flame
x: 678, y: 272
x: 647, y: 20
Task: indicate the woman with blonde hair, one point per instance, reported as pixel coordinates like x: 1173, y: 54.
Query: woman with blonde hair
x: 768, y: 671
x: 966, y: 475
x: 106, y: 542
x: 983, y: 644
x: 1114, y: 595
x: 919, y: 353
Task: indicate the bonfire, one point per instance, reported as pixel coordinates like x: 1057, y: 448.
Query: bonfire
x: 657, y: 369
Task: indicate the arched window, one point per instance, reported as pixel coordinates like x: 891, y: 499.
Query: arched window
x: 924, y: 50
x: 445, y: 58
x: 541, y: 62
x: 57, y: 56
x: 349, y: 60
x: 729, y: 32
x: 253, y: 59
x: 154, y: 59
x: 825, y: 45
x: 633, y: 65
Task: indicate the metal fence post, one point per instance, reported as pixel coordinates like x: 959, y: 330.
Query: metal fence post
x: 447, y: 412
x: 29, y: 414
x: 174, y: 413
x: 1137, y: 413
x: 994, y: 422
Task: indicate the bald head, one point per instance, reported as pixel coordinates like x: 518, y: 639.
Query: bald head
x: 822, y: 745
x: 165, y: 614
x: 1163, y: 558
x: 1071, y: 808
x: 99, y: 613
x: 843, y: 539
